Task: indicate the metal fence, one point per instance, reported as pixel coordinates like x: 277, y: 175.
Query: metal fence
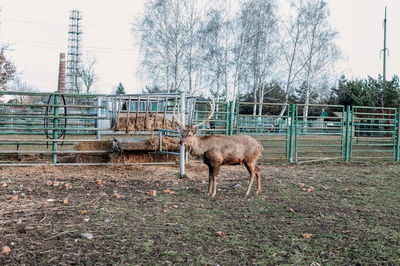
x: 44, y: 127
x: 374, y: 133
x: 36, y: 128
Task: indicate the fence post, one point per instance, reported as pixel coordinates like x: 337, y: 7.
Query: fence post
x: 182, y: 147
x: 98, y: 122
x: 230, y: 121
x: 55, y: 125
x: 397, y: 136
x: 291, y: 132
x: 347, y: 135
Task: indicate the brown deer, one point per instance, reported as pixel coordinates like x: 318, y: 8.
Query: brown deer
x: 218, y: 150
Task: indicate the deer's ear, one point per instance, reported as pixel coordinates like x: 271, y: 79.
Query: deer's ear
x: 194, y: 130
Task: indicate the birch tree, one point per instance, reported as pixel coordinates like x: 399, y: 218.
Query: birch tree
x: 87, y: 71
x: 320, y: 51
x: 213, y: 51
x: 7, y: 68
x: 293, y: 28
x: 262, y: 48
x: 162, y: 43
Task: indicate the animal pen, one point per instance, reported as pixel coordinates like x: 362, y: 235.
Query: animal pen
x: 96, y: 129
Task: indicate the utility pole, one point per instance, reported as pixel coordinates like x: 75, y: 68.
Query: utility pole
x: 385, y: 50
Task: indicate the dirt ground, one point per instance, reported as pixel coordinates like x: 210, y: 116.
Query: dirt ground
x: 327, y: 213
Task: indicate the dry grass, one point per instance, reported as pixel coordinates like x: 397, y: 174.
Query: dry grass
x: 352, y: 216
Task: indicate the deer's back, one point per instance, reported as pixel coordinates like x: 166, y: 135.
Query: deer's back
x: 234, y: 149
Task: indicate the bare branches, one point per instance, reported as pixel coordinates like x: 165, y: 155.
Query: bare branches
x: 7, y: 68
x: 191, y: 45
x: 87, y: 72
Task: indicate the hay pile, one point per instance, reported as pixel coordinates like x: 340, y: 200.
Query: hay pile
x: 143, y: 123
x: 168, y: 144
x: 142, y: 157
x: 93, y: 146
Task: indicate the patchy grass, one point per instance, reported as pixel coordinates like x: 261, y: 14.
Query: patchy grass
x: 353, y: 215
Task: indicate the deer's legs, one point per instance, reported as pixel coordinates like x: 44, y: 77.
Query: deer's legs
x: 214, y: 188
x: 210, y: 180
x: 251, y: 168
x: 258, y: 174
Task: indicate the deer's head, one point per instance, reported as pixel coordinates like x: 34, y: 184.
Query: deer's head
x: 188, y: 133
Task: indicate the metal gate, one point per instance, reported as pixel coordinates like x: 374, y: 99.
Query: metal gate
x: 319, y: 132
x: 374, y: 133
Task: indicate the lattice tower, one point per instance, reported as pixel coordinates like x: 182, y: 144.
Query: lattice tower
x: 74, y: 52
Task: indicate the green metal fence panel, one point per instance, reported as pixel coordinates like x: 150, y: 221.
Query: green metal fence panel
x: 219, y: 122
x: 319, y: 132
x: 374, y: 133
x: 269, y: 123
x: 50, y: 124
x: 33, y: 125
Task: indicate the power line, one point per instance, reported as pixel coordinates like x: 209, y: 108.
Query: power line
x: 62, y: 46
x: 60, y: 24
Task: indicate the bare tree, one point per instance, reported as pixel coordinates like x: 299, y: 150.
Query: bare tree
x: 240, y: 26
x: 18, y: 84
x: 309, y: 48
x: 213, y: 52
x: 7, y: 68
x: 162, y: 42
x: 292, y: 38
x: 320, y: 51
x: 188, y: 46
x: 191, y: 26
x: 87, y: 72
x: 262, y: 46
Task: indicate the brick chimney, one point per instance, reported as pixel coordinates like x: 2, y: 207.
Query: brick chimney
x: 61, y: 74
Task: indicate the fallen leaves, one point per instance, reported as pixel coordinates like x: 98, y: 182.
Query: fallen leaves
x: 152, y: 193
x: 303, y: 187
x: 4, y: 185
x: 5, y: 250
x: 117, y: 195
x: 310, y: 189
x: 220, y: 234
x: 306, y: 235
x: 14, y: 198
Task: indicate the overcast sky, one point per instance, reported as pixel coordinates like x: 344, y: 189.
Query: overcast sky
x: 38, y: 32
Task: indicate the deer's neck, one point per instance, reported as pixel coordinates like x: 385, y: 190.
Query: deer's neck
x: 197, y: 147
